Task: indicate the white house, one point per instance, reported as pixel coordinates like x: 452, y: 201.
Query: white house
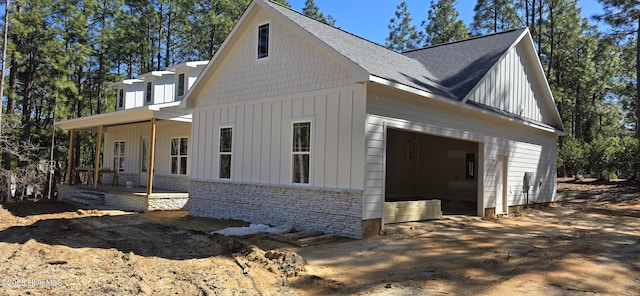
x: 296, y: 120
x: 145, y: 142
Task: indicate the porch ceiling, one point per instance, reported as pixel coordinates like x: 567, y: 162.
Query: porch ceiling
x: 139, y: 114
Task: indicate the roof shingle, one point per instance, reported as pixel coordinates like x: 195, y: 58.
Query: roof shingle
x: 450, y: 70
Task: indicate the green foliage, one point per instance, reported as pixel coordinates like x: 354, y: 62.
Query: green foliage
x: 402, y: 35
x: 442, y: 24
x: 572, y: 155
x: 312, y: 10
x: 492, y: 16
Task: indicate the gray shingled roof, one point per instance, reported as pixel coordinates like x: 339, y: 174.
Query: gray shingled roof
x: 449, y: 70
x: 459, y: 66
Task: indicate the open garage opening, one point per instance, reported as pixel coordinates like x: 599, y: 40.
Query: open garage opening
x: 423, y: 167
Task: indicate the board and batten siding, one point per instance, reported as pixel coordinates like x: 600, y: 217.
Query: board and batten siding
x: 132, y: 134
x: 134, y: 95
x: 511, y: 86
x: 294, y: 65
x: 527, y: 149
x: 163, y: 89
x: 262, y: 138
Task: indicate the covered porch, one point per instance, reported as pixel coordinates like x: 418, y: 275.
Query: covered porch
x: 123, y: 198
x: 129, y: 187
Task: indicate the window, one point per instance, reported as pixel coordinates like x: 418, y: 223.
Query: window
x: 179, y: 148
x: 301, y: 152
x: 226, y: 135
x: 144, y: 165
x: 118, y: 156
x: 263, y: 41
x: 120, y: 98
x: 470, y: 167
x: 149, y: 87
x: 181, y: 85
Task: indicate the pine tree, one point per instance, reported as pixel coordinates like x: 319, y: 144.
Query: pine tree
x: 624, y: 17
x: 442, y: 24
x: 492, y: 16
x: 402, y: 35
x: 312, y: 10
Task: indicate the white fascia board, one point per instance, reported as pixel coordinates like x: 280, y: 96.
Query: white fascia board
x: 111, y: 118
x: 173, y: 116
x: 125, y: 82
x: 158, y: 107
x: 422, y: 93
x: 156, y: 74
x: 191, y: 64
x: 138, y: 114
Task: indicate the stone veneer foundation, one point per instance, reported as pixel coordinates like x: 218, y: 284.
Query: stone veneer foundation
x: 332, y: 211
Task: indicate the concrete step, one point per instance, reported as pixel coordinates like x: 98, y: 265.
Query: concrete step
x: 89, y: 198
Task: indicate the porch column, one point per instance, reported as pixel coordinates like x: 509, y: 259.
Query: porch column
x: 96, y: 167
x: 70, y: 157
x: 152, y: 153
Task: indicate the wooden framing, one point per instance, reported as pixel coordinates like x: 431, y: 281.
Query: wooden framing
x: 96, y: 167
x: 152, y: 152
x: 70, y: 157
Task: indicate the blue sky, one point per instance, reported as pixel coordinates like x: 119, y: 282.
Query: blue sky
x: 369, y: 18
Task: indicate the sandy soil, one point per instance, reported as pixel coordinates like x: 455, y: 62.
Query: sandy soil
x: 587, y: 243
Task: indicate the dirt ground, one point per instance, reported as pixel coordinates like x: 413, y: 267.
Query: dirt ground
x: 587, y: 243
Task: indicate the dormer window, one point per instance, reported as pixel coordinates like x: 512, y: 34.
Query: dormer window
x: 263, y: 41
x: 120, y: 98
x: 148, y: 97
x: 181, y: 85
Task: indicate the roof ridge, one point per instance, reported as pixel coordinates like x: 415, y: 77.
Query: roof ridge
x: 330, y: 26
x: 465, y: 40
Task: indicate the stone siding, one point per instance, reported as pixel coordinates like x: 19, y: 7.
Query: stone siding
x: 166, y: 204
x: 332, y: 211
x: 175, y: 183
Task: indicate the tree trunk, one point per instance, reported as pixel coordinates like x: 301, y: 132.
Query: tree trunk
x: 638, y: 94
x: 540, y: 27
x: 551, y: 42
x: 167, y: 54
x: 6, y: 156
x: 495, y: 18
x: 160, y: 29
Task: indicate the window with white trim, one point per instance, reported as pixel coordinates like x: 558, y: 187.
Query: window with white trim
x: 301, y: 152
x: 118, y: 156
x: 263, y: 41
x: 226, y: 136
x: 181, y: 85
x: 120, y: 98
x: 149, y: 92
x: 179, y: 155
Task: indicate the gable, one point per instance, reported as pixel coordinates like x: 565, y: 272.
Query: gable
x: 295, y: 64
x: 516, y: 85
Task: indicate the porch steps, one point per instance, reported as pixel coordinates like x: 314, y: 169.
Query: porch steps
x: 304, y: 238
x: 88, y: 198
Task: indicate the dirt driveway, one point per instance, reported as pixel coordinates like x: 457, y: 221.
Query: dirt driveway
x: 587, y: 243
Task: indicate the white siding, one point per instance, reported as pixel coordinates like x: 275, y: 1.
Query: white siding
x: 133, y: 95
x: 511, y: 87
x: 163, y: 89
x: 528, y: 150
x: 294, y: 65
x: 190, y: 76
x: 262, y: 132
x: 132, y: 134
